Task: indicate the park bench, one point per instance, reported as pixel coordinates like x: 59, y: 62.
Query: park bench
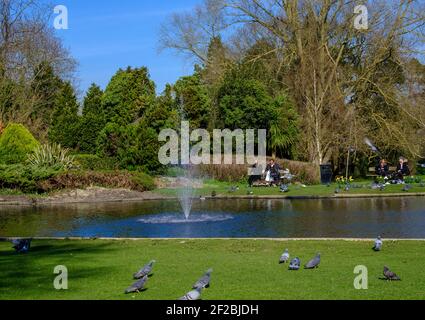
x: 283, y: 177
x: 372, y: 171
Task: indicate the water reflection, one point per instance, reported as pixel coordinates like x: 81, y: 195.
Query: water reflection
x: 389, y: 217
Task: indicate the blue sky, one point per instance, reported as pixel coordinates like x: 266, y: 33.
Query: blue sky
x: 104, y: 36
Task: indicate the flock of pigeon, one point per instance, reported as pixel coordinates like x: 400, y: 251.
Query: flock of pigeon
x: 295, y: 263
x: 143, y: 274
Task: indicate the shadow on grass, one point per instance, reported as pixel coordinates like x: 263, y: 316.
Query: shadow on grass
x: 31, y: 275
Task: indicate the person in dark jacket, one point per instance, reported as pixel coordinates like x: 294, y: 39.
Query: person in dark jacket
x: 402, y: 169
x: 382, y: 168
x: 274, y: 169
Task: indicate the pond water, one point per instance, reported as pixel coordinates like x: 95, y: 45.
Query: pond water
x: 351, y: 218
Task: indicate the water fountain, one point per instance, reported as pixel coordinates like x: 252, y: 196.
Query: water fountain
x: 186, y: 192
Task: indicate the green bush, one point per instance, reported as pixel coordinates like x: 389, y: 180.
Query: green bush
x: 143, y: 181
x: 96, y: 163
x: 16, y: 144
x: 24, y: 178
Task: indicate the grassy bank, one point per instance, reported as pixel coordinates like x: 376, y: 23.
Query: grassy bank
x: 224, y: 189
x: 243, y: 269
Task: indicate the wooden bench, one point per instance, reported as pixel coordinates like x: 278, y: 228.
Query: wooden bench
x: 372, y: 171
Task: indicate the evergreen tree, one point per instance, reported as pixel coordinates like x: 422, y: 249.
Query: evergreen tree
x: 65, y: 119
x: 45, y: 88
x: 127, y: 96
x: 163, y: 114
x: 93, y: 119
x: 244, y: 103
x: 194, y: 101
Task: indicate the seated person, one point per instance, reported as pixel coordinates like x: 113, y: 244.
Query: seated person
x: 402, y: 169
x: 382, y: 168
x: 274, y: 170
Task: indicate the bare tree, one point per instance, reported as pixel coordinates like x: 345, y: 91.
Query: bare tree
x: 27, y: 42
x: 190, y: 33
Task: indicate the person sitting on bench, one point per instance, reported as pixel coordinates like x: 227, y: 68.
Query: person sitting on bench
x: 402, y: 169
x: 273, y: 171
x: 382, y: 169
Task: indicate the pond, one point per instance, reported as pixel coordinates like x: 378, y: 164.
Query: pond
x: 349, y: 218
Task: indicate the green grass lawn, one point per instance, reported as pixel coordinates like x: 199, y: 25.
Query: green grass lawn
x: 243, y: 269
x: 222, y: 189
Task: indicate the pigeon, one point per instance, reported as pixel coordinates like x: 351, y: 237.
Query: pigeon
x: 378, y: 244
x: 284, y: 188
x: 372, y: 146
x: 234, y: 189
x: 389, y: 275
x: 295, y: 264
x: 285, y: 257
x: 314, y: 263
x: 406, y: 188
x: 137, y: 286
x: 145, y: 271
x: 192, y: 295
x: 337, y: 190
x: 21, y: 245
x: 204, y: 281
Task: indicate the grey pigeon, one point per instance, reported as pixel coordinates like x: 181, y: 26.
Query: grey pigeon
x: 284, y: 188
x: 337, y: 190
x: 137, y: 286
x: 234, y: 189
x: 295, y: 264
x: 285, y: 257
x: 378, y: 244
x: 192, y: 295
x: 389, y: 275
x: 204, y: 281
x: 314, y: 263
x: 21, y: 245
x: 145, y: 271
x: 406, y: 188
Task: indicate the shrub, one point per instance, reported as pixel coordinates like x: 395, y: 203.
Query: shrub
x: 84, y: 179
x: 222, y: 172
x: 96, y: 163
x: 143, y: 181
x: 51, y: 156
x: 304, y: 172
x: 16, y: 143
x: 24, y: 178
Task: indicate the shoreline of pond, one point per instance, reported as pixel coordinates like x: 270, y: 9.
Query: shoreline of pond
x: 103, y: 195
